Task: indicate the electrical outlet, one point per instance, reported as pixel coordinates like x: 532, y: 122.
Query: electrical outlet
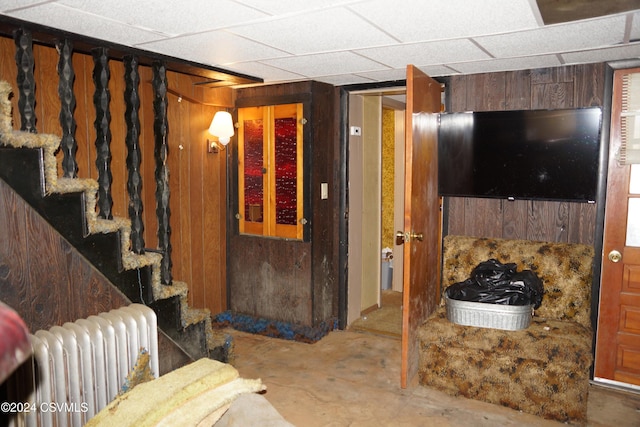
x: 356, y: 130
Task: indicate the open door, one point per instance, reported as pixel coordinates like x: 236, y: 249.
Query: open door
x: 422, y: 227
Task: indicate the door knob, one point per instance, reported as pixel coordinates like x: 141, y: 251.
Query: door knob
x: 402, y: 237
x: 615, y: 256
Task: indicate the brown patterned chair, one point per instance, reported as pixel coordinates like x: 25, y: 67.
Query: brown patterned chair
x: 544, y: 369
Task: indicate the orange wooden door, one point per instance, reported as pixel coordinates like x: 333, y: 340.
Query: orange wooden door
x: 421, y: 214
x: 618, y: 338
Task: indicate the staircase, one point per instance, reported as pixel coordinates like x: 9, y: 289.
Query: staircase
x: 28, y: 164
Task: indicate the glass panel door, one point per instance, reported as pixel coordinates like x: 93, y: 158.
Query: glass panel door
x: 270, y: 171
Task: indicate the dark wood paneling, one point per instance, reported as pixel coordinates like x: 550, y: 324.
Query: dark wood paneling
x: 324, y: 236
x: 13, y: 260
x: 518, y: 90
x: 293, y: 281
x: 562, y: 87
x: 486, y: 92
x: 522, y: 219
x: 272, y: 280
x: 44, y: 278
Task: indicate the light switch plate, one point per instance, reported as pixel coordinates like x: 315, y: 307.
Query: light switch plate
x: 324, y: 191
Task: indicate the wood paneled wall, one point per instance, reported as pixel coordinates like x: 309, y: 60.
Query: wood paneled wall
x: 197, y: 179
x: 280, y: 279
x: 42, y: 277
x: 548, y: 88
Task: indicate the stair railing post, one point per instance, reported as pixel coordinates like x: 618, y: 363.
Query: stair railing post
x: 134, y: 155
x: 161, y: 152
x: 26, y: 80
x: 66, y: 77
x: 101, y: 100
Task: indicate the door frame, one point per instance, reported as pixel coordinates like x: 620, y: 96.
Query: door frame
x: 607, y: 107
x: 345, y: 93
x: 605, y: 135
x: 364, y: 92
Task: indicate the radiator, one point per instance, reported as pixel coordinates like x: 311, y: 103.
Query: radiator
x: 78, y: 368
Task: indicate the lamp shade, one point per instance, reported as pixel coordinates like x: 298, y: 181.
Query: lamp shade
x: 222, y: 127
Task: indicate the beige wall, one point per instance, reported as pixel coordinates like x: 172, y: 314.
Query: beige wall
x: 371, y: 201
x: 364, y: 205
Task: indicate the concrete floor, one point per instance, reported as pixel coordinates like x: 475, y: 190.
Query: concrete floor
x: 353, y: 379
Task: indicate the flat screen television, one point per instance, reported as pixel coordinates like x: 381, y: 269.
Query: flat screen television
x: 526, y: 154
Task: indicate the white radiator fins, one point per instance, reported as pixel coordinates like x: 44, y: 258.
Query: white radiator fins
x: 55, y: 358
x: 96, y: 367
x: 72, y: 376
x: 121, y: 356
x: 110, y: 368
x: 79, y: 367
x: 87, y: 384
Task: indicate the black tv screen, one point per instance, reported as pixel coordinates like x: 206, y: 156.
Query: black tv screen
x: 526, y: 154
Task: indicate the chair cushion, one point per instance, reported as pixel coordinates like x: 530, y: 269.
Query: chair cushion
x: 543, y: 370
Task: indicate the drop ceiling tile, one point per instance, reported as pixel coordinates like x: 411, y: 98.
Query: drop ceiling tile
x: 266, y: 72
x: 557, y: 38
x: 437, y: 70
x: 170, y: 17
x: 72, y: 20
x: 213, y: 48
x: 343, y: 79
x: 325, y: 64
x: 508, y: 64
x: 6, y: 5
x: 284, y: 7
x: 386, y: 75
x: 321, y: 31
x: 425, y: 53
x: 420, y: 20
x: 356, y: 39
x: 603, y: 55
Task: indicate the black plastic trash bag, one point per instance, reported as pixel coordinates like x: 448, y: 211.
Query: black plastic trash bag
x: 496, y: 283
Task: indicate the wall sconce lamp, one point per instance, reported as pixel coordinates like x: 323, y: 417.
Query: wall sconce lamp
x: 222, y: 127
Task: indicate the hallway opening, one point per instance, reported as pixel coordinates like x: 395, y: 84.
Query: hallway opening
x: 376, y: 209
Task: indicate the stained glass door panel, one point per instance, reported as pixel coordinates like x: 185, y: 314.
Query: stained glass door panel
x: 251, y: 183
x: 287, y: 136
x: 285, y: 131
